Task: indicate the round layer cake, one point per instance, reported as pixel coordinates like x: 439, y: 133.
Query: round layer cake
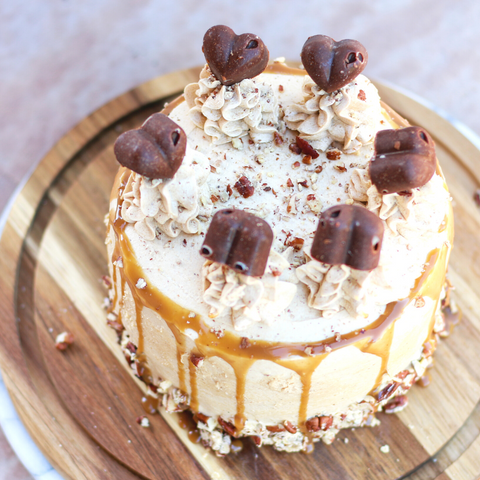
x: 276, y: 338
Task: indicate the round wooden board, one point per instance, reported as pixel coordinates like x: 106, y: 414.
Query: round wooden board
x: 80, y: 406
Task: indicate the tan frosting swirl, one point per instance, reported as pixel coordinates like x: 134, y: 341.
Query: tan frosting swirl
x: 250, y: 299
x: 231, y: 112
x: 351, y: 115
x: 335, y: 287
x: 169, y: 206
x: 410, y: 214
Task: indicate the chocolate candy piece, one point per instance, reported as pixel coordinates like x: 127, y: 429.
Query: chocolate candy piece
x: 154, y: 150
x: 404, y: 159
x: 331, y: 64
x: 239, y: 240
x: 233, y: 58
x: 348, y: 235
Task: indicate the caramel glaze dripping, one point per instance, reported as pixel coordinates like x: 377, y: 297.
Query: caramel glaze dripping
x: 375, y: 339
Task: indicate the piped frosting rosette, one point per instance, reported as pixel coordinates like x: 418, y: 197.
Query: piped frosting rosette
x: 172, y: 205
x: 350, y: 115
x: 411, y: 214
x: 335, y: 287
x: 226, y: 113
x: 249, y: 299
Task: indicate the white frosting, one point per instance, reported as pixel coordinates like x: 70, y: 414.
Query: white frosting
x: 335, y: 287
x: 412, y: 215
x: 323, y: 303
x: 250, y: 299
x: 350, y: 115
x: 169, y: 206
x: 231, y: 112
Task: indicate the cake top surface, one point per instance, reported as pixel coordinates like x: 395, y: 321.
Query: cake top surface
x: 282, y: 149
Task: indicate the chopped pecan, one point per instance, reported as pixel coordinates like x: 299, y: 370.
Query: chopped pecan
x: 228, y: 427
x: 428, y: 348
x: 197, y: 360
x: 116, y: 325
x: 257, y: 440
x: 275, y: 428
x: 362, y: 96
x: 63, y: 340
x: 244, y: 343
x: 307, y: 160
x: 326, y: 423
x: 419, y: 302
x: 396, y: 404
x: 289, y: 183
x: 229, y: 190
x: 295, y: 242
x: 388, y: 391
x: 244, y: 187
x: 313, y: 425
x: 403, y: 374
x: 318, y: 169
x: 295, y: 148
x: 306, y: 148
x: 277, y: 138
x: 289, y: 427
x: 143, y: 421
x: 200, y: 417
x: 334, y: 155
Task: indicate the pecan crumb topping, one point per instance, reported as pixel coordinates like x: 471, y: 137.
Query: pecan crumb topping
x: 63, y: 340
x: 334, y: 155
x: 275, y: 428
x: 388, y: 391
x: 228, y: 427
x: 244, y: 187
x: 197, y: 360
x: 277, y: 139
x: 289, y: 427
x: 419, y: 302
x: 362, y: 96
x: 296, y: 243
x: 306, y: 148
x: 295, y: 148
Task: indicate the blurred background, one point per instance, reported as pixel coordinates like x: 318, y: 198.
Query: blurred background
x: 62, y: 59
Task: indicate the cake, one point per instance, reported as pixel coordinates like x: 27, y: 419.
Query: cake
x: 278, y: 242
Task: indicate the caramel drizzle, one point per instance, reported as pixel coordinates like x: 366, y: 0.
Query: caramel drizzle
x: 375, y: 339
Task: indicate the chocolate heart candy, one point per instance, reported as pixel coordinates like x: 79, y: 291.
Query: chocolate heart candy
x: 331, y: 64
x: 154, y: 150
x: 233, y: 58
x: 239, y: 240
x: 348, y: 235
x: 404, y: 159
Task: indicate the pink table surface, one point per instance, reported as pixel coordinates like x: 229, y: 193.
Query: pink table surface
x: 61, y: 60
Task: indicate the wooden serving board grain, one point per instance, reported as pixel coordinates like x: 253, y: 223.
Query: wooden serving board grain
x: 80, y: 406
